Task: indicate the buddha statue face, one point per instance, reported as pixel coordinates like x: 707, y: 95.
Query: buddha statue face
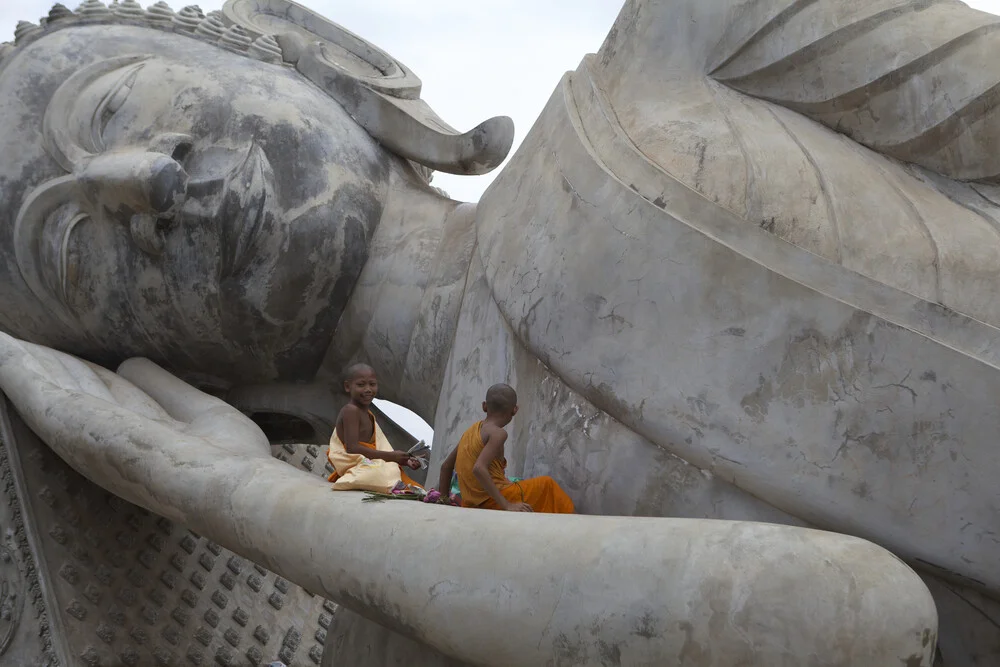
x: 165, y: 197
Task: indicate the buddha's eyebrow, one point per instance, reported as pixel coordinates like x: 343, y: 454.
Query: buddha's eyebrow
x: 64, y: 143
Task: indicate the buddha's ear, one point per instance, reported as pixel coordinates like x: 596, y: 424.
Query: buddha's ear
x: 410, y: 128
x: 379, y: 92
x: 407, y: 125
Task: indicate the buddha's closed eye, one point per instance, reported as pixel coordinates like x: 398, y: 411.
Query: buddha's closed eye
x: 110, y: 104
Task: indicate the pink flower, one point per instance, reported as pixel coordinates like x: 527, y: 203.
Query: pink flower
x: 432, y: 497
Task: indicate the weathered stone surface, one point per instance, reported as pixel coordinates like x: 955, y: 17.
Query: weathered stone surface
x: 233, y: 198
x: 125, y: 587
x: 27, y: 635
x: 643, y: 589
x: 715, y: 332
x: 356, y: 641
x: 969, y: 624
x: 713, y: 306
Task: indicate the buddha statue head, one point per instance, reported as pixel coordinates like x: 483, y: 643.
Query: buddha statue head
x: 204, y: 190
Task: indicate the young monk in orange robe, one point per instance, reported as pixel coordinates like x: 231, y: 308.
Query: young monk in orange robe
x: 481, y: 465
x: 361, y: 455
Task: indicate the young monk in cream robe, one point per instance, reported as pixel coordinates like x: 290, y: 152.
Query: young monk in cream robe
x: 481, y: 466
x: 361, y: 455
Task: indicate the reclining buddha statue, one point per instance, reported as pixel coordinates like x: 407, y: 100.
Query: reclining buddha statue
x: 740, y: 271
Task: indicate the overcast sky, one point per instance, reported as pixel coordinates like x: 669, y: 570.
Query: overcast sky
x: 476, y: 59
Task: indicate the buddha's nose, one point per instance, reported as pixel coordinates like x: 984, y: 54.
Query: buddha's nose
x: 134, y: 182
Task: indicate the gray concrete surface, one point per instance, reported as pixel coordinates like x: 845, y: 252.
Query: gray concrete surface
x: 741, y: 268
x: 641, y: 590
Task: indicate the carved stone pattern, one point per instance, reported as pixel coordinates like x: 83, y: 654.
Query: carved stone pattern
x: 135, y: 589
x: 31, y: 587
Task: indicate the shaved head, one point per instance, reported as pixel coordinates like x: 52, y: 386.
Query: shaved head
x: 355, y: 370
x: 501, y: 398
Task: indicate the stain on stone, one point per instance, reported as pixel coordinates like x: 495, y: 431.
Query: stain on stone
x: 567, y: 652
x: 738, y: 332
x: 645, y: 628
x: 755, y: 404
x: 929, y: 376
x: 611, y: 655
x: 702, y: 405
x: 692, y: 652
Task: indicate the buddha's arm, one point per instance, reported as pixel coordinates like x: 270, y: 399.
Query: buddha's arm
x: 511, y: 589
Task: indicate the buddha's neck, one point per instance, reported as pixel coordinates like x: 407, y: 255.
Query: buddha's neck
x: 403, y: 313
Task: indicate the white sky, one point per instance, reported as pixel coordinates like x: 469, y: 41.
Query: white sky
x: 476, y: 59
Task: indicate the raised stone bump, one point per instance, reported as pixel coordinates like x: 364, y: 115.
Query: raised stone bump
x: 93, y: 9
x: 128, y: 9
x: 188, y: 18
x: 265, y: 48
x: 24, y: 30
x: 236, y: 39
x: 160, y: 14
x: 211, y: 26
x: 59, y: 12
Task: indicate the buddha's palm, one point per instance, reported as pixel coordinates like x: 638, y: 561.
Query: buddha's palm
x: 133, y: 430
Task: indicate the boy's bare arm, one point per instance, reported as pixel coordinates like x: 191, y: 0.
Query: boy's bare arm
x: 492, y: 450
x: 447, y: 468
x: 351, y: 420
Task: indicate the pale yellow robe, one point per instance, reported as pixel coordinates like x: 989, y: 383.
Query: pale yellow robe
x: 358, y: 472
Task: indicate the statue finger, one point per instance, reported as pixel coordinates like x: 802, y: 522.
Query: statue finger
x: 204, y: 415
x: 58, y: 368
x: 132, y: 397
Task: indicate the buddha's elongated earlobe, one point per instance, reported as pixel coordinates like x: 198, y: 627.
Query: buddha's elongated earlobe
x: 407, y: 125
x: 380, y: 93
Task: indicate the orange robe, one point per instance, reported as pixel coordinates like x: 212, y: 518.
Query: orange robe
x: 542, y: 493
x: 354, y: 471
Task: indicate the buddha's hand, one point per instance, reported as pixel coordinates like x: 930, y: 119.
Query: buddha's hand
x: 107, y: 425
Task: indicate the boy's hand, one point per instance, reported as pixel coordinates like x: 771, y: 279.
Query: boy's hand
x: 404, y: 459
x: 518, y: 507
